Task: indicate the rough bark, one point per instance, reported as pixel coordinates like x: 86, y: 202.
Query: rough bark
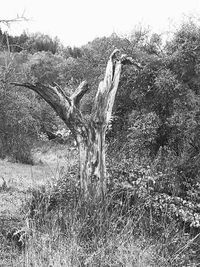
x: 90, y: 136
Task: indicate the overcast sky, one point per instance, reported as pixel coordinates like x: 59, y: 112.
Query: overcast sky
x: 75, y: 22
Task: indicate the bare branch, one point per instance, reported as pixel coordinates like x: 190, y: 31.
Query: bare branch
x: 125, y: 60
x: 7, y: 22
x: 59, y: 88
x: 52, y: 96
x: 79, y: 93
x: 107, y: 89
x: 63, y: 105
x: 105, y: 96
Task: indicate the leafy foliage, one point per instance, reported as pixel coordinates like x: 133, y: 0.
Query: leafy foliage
x: 18, y: 127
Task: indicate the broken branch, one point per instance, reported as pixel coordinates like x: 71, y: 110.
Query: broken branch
x: 79, y: 93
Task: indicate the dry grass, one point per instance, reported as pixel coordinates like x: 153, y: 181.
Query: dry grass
x: 86, y: 234
x: 116, y: 252
x: 16, y: 183
x: 51, y: 162
x: 17, y: 179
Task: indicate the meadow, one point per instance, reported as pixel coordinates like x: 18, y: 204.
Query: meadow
x: 45, y: 222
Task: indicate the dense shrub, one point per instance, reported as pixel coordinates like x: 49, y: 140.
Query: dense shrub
x: 18, y: 128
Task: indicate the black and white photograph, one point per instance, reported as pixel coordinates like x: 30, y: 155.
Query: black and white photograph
x: 100, y: 133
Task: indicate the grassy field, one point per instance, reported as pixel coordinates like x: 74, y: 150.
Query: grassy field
x: 50, y: 248
x: 77, y: 233
x: 51, y: 163
x: 16, y: 183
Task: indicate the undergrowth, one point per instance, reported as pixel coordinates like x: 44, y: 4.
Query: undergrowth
x: 62, y: 228
x: 143, y: 220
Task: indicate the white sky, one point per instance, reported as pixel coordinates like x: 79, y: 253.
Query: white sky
x: 75, y: 22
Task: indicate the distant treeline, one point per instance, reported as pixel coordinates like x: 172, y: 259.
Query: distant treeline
x: 35, y: 43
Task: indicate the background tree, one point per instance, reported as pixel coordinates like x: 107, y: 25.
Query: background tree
x: 18, y: 127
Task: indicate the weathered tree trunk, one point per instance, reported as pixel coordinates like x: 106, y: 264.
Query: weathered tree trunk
x: 90, y: 136
x: 92, y: 161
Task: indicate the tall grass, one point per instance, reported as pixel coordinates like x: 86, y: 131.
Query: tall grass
x: 64, y: 229
x: 60, y: 227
